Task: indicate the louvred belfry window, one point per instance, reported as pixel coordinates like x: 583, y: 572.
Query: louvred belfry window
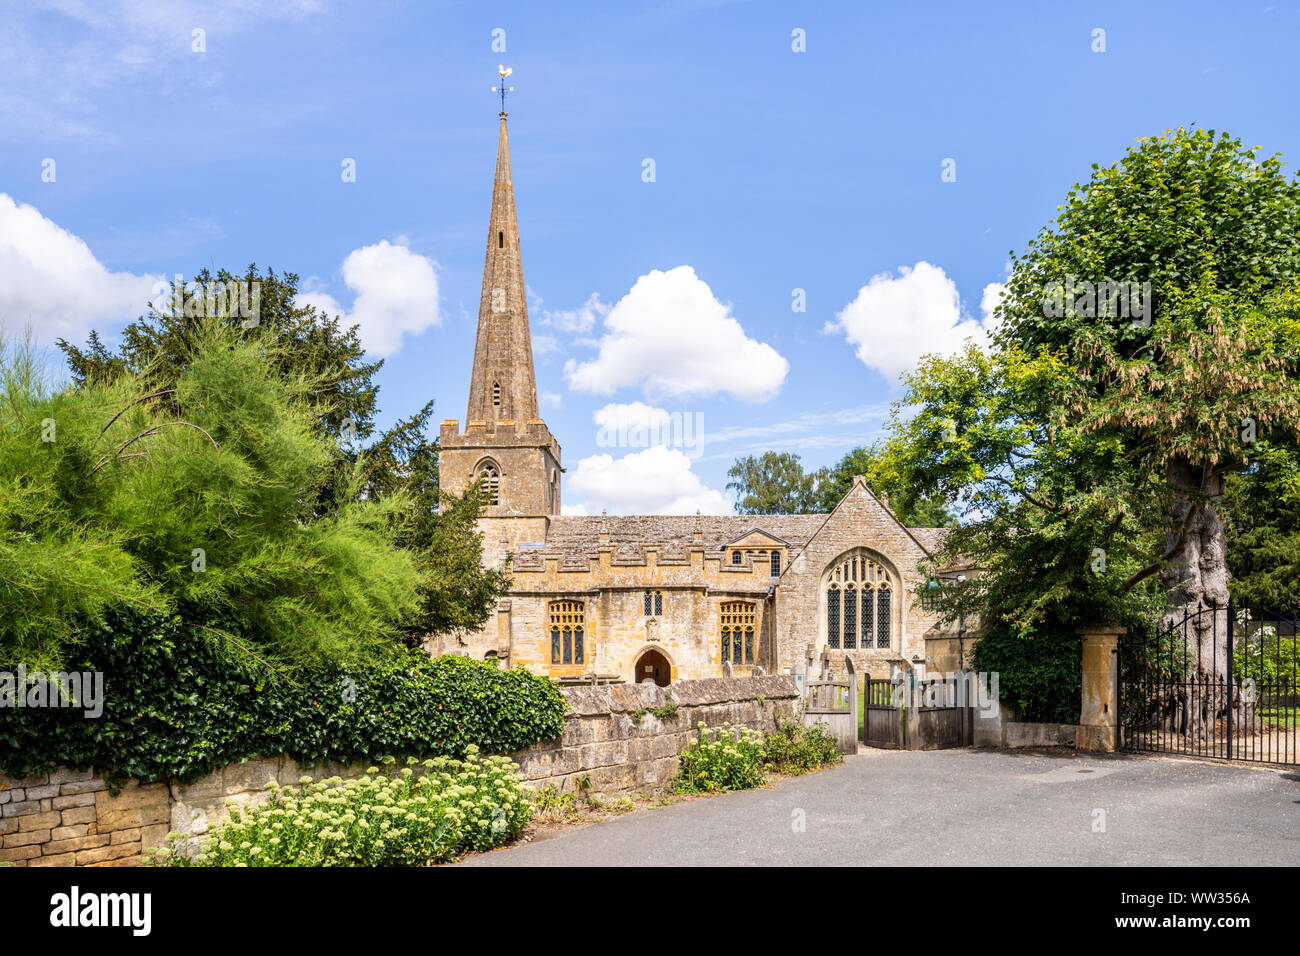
x: 491, y: 479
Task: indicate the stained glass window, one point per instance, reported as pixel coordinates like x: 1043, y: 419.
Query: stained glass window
x: 850, y: 635
x: 882, y: 617
x: 833, y: 617
x: 567, y: 645
x: 858, y: 603
x: 737, y: 631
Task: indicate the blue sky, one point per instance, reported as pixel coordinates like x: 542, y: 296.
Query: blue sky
x: 774, y: 170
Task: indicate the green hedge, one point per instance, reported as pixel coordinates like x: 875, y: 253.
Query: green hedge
x: 177, y: 707
x: 1041, y: 676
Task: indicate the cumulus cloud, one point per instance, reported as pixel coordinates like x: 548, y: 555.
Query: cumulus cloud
x: 894, y: 320
x: 656, y: 481
x: 51, y: 282
x: 632, y: 416
x: 673, y: 338
x: 579, y: 320
x: 396, y: 294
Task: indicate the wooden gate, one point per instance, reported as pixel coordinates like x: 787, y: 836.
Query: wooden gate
x: 835, y: 704
x: 916, y: 715
x: 882, y: 715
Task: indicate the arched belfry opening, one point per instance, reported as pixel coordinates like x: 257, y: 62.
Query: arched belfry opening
x: 489, y: 473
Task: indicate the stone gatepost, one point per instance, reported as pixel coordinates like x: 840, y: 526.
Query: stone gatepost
x: 1098, y: 719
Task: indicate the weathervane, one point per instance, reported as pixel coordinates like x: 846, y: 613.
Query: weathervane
x: 503, y: 72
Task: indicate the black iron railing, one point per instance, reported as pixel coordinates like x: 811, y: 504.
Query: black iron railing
x: 1216, y: 682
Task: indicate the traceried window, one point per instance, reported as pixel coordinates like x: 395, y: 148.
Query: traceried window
x: 737, y: 631
x: 654, y: 603
x: 491, y: 479
x: 859, y: 603
x: 737, y: 557
x: 568, y: 644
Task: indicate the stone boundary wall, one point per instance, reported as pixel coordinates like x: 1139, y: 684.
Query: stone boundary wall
x: 70, y: 817
x: 622, y: 754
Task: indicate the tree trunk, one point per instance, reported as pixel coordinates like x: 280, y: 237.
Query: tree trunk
x: 1197, y: 586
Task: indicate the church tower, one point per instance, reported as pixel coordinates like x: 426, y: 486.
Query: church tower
x: 505, y: 441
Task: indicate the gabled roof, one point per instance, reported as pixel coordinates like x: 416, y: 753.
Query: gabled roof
x: 755, y: 531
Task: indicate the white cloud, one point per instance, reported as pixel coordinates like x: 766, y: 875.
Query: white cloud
x: 581, y: 319
x: 52, y: 282
x: 894, y: 320
x: 396, y: 294
x: 552, y: 400
x: 673, y: 338
x: 632, y: 416
x: 658, y: 480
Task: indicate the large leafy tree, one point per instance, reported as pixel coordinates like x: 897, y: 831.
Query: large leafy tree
x: 773, y: 483
x: 1091, y: 448
x: 363, y: 462
x: 195, y: 500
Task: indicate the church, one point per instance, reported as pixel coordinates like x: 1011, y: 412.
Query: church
x: 656, y: 597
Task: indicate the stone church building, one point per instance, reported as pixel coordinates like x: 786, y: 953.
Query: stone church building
x: 662, y: 598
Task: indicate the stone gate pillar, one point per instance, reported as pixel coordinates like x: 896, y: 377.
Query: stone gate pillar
x: 1098, y: 719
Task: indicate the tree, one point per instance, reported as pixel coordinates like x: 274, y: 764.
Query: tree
x: 1091, y: 447
x: 773, y: 483
x: 441, y: 530
x: 196, y: 500
x: 1205, y: 234
x: 884, y: 473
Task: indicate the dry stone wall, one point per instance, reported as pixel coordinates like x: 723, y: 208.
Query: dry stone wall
x: 73, y: 818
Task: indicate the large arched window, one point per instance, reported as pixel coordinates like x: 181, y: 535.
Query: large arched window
x: 736, y: 626
x: 567, y: 633
x: 490, y: 475
x: 859, y: 603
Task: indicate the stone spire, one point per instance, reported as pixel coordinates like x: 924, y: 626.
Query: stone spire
x: 503, y: 386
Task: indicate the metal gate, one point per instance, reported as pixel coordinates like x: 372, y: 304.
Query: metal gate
x: 1213, y: 682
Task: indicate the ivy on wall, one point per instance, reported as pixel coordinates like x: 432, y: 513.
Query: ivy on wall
x: 175, y: 706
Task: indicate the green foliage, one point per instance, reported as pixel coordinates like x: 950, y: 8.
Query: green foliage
x: 885, y: 475
x: 178, y: 706
x: 360, y: 464
x: 1038, y: 671
x: 1075, y: 438
x: 1262, y: 514
x: 406, y: 819
x: 194, y: 500
x: 725, y: 758
x: 1268, y: 659
x: 773, y: 484
x: 794, y: 749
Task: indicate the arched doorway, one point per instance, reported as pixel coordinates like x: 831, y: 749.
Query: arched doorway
x: 652, y: 666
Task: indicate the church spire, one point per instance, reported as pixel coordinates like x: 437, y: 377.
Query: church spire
x: 503, y: 386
